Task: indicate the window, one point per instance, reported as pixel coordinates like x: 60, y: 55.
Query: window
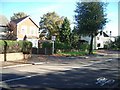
x: 23, y: 30
x: 97, y: 38
x: 32, y: 31
x: 98, y: 45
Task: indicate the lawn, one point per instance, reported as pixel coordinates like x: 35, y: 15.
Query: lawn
x: 74, y: 53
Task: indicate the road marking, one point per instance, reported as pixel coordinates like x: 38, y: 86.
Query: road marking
x: 16, y: 66
x: 65, y: 68
x: 10, y: 80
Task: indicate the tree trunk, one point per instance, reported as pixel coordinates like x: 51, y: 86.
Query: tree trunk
x: 5, y: 51
x: 91, y: 45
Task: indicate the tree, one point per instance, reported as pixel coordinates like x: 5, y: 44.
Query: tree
x: 117, y: 42
x: 74, y: 38
x: 52, y: 23
x: 65, y: 31
x: 90, y: 17
x: 18, y: 15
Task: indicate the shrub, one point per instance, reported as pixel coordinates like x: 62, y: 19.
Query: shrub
x: 62, y: 46
x: 84, y: 46
x: 26, y: 47
x: 46, y: 45
x: 15, y: 46
x: 2, y: 43
x: 12, y: 46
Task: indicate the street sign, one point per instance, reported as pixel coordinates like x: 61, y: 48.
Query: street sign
x: 53, y: 38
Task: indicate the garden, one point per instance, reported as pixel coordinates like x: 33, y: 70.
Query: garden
x: 14, y: 49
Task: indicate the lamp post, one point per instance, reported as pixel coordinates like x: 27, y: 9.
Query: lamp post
x: 53, y: 45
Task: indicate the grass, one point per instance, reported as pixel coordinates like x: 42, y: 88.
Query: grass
x: 73, y: 53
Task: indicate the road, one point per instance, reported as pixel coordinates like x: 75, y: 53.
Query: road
x: 65, y: 72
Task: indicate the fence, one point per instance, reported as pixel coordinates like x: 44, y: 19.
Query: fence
x: 43, y: 51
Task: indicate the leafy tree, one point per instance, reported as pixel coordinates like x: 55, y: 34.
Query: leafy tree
x: 18, y: 15
x: 74, y: 38
x: 117, y: 42
x: 65, y: 31
x: 90, y: 17
x: 52, y: 23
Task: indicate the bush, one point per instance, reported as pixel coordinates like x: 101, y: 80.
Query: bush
x: 12, y: 46
x: 114, y: 45
x: 84, y: 47
x: 15, y: 46
x: 2, y: 43
x: 62, y: 46
x: 26, y: 47
x: 47, y: 45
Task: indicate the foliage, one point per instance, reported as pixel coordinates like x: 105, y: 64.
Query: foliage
x: 74, y: 39
x: 90, y: 17
x: 2, y: 43
x: 18, y: 15
x: 117, y: 42
x: 47, y: 45
x: 65, y: 31
x: 15, y: 46
x: 62, y: 46
x: 12, y: 46
x: 51, y: 22
x: 26, y: 47
x: 84, y: 46
x: 73, y: 53
x: 114, y: 45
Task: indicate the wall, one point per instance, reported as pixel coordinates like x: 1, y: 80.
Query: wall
x: 12, y: 56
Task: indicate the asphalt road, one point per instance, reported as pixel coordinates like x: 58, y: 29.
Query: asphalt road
x: 65, y: 73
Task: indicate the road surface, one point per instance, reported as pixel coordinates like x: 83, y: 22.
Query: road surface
x: 65, y: 72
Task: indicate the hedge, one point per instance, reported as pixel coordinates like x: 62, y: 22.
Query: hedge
x: 15, y: 46
x: 47, y: 45
x: 62, y: 46
x: 2, y: 43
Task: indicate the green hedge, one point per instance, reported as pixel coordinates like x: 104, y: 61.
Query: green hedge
x: 26, y: 47
x: 84, y: 47
x: 62, y: 46
x: 2, y: 43
x: 15, y: 46
x: 47, y: 45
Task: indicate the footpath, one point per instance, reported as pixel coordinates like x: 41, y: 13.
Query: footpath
x: 45, y: 58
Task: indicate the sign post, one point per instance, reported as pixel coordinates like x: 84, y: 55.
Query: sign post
x: 53, y: 45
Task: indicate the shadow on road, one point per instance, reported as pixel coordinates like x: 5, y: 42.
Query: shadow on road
x: 78, y: 78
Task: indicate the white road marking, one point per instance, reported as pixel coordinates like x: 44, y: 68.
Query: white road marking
x: 16, y: 65
x: 15, y: 79
x: 56, y: 69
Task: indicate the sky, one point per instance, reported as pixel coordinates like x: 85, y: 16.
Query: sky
x: 36, y: 9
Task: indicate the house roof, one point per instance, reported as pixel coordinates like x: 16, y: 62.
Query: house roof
x: 19, y: 20
x: 23, y: 18
x: 105, y: 35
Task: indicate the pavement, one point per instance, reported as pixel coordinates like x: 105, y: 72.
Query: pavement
x: 42, y: 59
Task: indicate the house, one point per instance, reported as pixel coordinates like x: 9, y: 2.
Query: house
x: 3, y: 27
x: 100, y: 40
x: 25, y: 29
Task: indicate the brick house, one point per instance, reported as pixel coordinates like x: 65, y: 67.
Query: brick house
x: 25, y: 28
